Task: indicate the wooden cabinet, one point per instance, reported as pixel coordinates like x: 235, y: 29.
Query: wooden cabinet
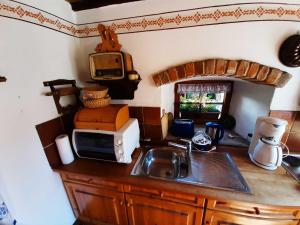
x: 241, y: 213
x: 213, y: 217
x: 147, y: 211
x: 104, y: 202
x: 97, y: 206
x: 255, y: 210
x: 189, y: 199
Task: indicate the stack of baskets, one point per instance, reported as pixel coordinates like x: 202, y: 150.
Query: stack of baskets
x: 95, y: 97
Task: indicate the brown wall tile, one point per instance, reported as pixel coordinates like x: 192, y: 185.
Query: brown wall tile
x: 151, y: 115
x: 242, y: 68
x: 173, y: 74
x: 263, y: 73
x: 49, y: 130
x: 296, y: 124
x: 220, y: 67
x: 136, y: 112
x: 253, y: 70
x: 164, y: 76
x: 199, y: 68
x: 180, y: 72
x: 231, y: 67
x: 210, y: 65
x: 68, y: 123
x: 293, y: 142
x: 53, y: 156
x: 190, y: 69
x: 142, y: 131
x: 149, y: 118
x: 153, y: 131
x: 292, y: 135
x: 157, y: 80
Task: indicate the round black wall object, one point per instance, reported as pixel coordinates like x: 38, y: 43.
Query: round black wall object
x: 289, y: 52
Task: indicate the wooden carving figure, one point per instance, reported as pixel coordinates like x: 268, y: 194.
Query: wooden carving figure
x: 109, y: 38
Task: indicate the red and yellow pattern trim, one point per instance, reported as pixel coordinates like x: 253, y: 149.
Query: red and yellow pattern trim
x: 234, y: 13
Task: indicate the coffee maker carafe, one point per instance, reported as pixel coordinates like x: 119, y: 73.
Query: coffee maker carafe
x: 264, y: 149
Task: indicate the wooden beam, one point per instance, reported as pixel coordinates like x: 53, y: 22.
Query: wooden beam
x: 78, y: 5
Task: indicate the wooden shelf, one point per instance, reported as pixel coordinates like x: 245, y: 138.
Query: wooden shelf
x: 119, y: 89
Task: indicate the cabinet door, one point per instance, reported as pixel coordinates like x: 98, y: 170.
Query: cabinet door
x: 147, y: 211
x: 97, y: 206
x: 221, y: 218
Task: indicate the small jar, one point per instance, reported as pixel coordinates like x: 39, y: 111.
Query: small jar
x: 133, y: 75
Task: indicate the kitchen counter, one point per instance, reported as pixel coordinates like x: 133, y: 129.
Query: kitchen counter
x: 275, y: 188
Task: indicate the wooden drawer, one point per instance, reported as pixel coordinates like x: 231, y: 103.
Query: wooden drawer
x: 190, y: 199
x: 91, y: 181
x: 221, y: 218
x: 249, y: 209
x: 150, y: 211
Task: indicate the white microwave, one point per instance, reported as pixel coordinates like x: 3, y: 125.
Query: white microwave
x: 116, y: 146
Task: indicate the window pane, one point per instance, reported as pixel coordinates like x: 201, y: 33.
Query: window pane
x: 211, y: 108
x: 190, y: 98
x: 202, y: 98
x: 201, y: 103
x: 214, y: 97
x: 190, y: 108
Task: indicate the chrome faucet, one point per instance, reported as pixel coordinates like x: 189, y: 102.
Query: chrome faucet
x: 187, y: 146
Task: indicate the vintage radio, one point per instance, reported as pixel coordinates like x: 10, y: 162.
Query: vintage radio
x: 110, y: 65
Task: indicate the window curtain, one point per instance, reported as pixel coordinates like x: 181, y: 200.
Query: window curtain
x: 203, y: 88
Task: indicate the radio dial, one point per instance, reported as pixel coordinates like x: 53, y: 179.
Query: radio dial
x: 119, y: 142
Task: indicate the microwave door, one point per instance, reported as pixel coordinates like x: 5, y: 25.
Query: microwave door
x: 95, y: 146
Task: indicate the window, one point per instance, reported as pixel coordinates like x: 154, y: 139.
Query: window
x: 202, y: 100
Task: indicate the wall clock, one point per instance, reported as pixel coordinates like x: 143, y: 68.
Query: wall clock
x: 289, y: 52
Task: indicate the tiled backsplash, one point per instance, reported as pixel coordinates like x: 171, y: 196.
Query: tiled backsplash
x: 148, y: 117
x: 149, y: 121
x: 292, y: 135
x: 48, y: 131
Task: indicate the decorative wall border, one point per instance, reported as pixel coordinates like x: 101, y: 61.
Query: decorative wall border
x: 27, y: 13
x: 204, y: 16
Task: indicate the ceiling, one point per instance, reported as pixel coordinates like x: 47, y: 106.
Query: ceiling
x: 78, y: 5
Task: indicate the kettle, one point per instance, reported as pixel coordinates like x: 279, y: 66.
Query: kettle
x: 215, y: 131
x: 267, y: 154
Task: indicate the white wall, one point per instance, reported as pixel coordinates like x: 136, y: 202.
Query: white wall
x: 158, y: 50
x: 247, y: 103
x: 29, y: 55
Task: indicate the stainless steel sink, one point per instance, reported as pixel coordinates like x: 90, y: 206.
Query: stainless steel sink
x: 214, y: 169
x: 164, y: 164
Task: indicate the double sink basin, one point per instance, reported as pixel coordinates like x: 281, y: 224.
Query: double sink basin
x: 214, y: 169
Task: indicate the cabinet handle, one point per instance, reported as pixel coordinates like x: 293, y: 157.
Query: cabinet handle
x: 121, y: 203
x: 161, y: 194
x: 128, y: 204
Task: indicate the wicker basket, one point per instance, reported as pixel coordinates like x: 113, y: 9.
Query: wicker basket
x: 89, y: 93
x: 97, y: 103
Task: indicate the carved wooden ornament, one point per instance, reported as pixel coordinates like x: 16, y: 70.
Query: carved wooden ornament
x: 109, y: 39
